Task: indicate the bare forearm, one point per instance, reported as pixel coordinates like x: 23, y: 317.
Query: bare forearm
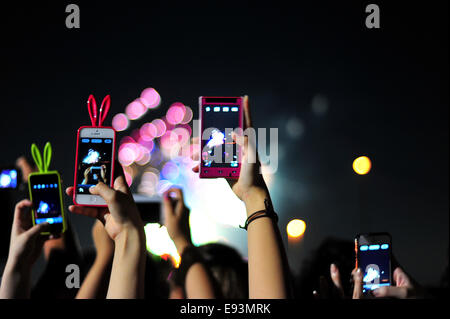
x: 267, y: 272
x: 96, y: 282
x: 128, y: 270
x: 15, y: 283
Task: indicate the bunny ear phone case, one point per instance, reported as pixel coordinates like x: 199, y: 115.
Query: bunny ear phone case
x: 95, y: 155
x: 45, y: 192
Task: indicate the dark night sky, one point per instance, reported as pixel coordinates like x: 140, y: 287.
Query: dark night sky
x: 387, y: 91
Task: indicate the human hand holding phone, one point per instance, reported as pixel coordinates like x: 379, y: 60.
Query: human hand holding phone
x: 325, y: 292
x: 403, y: 289
x: 123, y: 224
x: 121, y: 212
x: 250, y: 186
x: 25, y: 247
x: 268, y: 266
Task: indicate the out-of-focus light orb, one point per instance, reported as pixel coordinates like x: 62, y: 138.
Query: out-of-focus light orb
x: 294, y: 127
x: 159, y: 243
x: 319, y: 105
x: 148, y: 131
x: 296, y: 228
x: 170, y: 171
x: 169, y: 139
x: 183, y: 135
x: 150, y: 98
x: 160, y: 127
x: 362, y: 165
x: 127, y: 154
x: 120, y: 122
x: 175, y: 113
x: 135, y: 110
x: 188, y: 114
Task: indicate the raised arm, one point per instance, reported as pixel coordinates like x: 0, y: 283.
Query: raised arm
x: 95, y: 285
x: 267, y: 261
x: 124, y: 225
x: 198, y: 281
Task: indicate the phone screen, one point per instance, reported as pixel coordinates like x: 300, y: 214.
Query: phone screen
x: 218, y: 147
x: 94, y: 163
x: 374, y: 259
x: 8, y: 178
x: 46, y: 198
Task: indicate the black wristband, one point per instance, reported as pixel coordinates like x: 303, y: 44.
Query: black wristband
x: 268, y: 212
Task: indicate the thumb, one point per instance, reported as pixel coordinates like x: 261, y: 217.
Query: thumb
x: 36, y: 230
x: 103, y: 190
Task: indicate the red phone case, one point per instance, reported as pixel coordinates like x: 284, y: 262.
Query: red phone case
x: 113, y: 159
x: 217, y: 172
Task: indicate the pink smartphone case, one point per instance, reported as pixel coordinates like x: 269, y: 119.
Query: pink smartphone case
x: 113, y: 159
x: 97, y: 119
x: 217, y: 172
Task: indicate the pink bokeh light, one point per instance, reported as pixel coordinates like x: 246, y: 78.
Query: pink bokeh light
x: 188, y: 114
x: 150, y: 98
x: 148, y: 131
x: 175, y: 113
x: 120, y: 122
x: 135, y: 110
x: 160, y: 127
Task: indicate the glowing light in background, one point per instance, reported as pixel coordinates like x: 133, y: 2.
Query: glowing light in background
x: 187, y: 115
x: 294, y: 127
x: 150, y: 98
x: 362, y: 165
x: 159, y: 242
x: 170, y: 171
x: 175, y: 113
x: 120, y: 122
x: 148, y: 131
x: 127, y: 154
x: 160, y: 127
x: 135, y: 110
x: 296, y: 228
x: 319, y: 105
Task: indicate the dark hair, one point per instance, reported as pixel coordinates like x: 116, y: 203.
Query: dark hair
x: 331, y: 250
x: 229, y: 269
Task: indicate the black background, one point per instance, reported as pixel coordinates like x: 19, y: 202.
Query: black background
x: 387, y: 91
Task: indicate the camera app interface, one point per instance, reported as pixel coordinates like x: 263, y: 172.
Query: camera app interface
x: 46, y: 199
x: 8, y: 178
x: 94, y: 163
x: 218, y: 147
x: 374, y: 262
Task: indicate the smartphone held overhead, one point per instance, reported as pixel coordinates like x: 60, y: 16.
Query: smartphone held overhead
x: 95, y: 156
x: 220, y: 154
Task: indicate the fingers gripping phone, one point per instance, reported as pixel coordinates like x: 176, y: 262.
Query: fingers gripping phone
x: 94, y: 163
x: 46, y: 196
x: 373, y: 256
x: 220, y: 155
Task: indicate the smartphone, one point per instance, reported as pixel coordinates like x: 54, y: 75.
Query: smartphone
x: 220, y: 155
x: 46, y: 196
x: 9, y: 178
x: 373, y: 256
x: 94, y: 163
